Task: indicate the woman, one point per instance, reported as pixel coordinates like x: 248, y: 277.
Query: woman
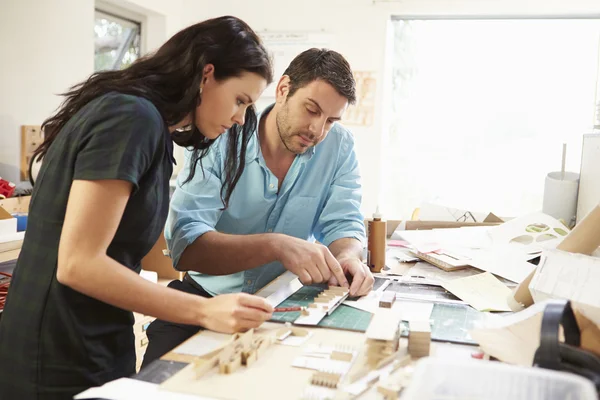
x: 100, y: 203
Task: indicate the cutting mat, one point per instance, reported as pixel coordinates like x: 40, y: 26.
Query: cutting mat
x: 450, y: 322
x: 344, y: 317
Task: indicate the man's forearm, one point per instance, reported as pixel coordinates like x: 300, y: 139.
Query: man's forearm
x: 216, y: 253
x: 346, y: 248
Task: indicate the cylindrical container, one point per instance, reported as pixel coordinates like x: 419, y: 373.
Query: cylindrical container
x: 560, y: 196
x: 376, y: 242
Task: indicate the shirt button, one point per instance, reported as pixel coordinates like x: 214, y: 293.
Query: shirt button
x: 269, y: 230
x: 271, y: 186
x: 249, y: 282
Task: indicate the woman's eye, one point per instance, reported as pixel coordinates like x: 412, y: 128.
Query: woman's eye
x: 240, y: 102
x: 311, y: 111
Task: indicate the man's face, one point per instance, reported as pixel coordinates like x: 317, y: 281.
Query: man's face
x: 305, y: 118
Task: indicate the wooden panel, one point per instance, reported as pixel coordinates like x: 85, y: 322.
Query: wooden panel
x: 31, y: 138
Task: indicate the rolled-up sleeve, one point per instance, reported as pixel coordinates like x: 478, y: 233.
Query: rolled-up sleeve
x: 195, y: 206
x: 341, y: 216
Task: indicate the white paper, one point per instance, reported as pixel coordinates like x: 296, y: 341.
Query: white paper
x: 382, y: 320
x: 484, y: 292
x: 415, y: 311
x: 295, y: 340
x: 519, y: 228
x: 280, y: 288
x: 504, y: 261
x: 435, y: 212
x: 569, y: 276
x: 368, y: 303
x: 127, y: 389
x: 454, y: 238
x: 203, y: 343
x: 468, y: 379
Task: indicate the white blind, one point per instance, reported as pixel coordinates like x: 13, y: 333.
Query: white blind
x: 480, y: 109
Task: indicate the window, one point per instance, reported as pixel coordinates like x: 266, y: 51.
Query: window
x: 480, y: 110
x: 116, y: 41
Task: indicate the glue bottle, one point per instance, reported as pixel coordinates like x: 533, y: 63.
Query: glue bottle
x: 376, y: 242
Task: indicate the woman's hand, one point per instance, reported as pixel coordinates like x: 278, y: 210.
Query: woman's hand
x: 229, y: 313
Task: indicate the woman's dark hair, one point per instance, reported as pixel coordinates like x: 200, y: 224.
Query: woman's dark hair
x: 170, y: 79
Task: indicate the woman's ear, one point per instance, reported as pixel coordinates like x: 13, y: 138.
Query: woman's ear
x: 208, y: 72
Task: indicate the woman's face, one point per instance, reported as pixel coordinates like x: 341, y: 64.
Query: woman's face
x: 225, y: 102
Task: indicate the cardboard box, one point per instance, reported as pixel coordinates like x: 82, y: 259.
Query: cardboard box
x: 16, y: 204
x: 156, y: 261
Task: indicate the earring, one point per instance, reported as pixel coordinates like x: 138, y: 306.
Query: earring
x: 200, y: 89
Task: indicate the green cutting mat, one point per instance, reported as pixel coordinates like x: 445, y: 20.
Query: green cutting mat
x: 450, y: 322
x: 343, y: 317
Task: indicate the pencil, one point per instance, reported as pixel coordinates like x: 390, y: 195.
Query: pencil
x: 286, y: 309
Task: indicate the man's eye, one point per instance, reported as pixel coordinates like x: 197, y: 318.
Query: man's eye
x: 240, y: 102
x: 311, y: 111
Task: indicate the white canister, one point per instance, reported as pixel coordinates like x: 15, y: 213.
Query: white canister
x: 560, y: 196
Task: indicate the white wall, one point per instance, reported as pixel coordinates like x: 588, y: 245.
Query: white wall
x: 359, y: 29
x: 46, y: 47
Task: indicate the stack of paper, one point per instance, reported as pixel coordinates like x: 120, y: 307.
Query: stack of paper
x: 569, y: 276
x: 502, y: 250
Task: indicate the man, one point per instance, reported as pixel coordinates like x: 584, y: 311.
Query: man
x: 300, y: 183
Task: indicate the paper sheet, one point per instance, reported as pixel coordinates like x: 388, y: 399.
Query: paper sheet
x: 425, y: 241
x: 411, y: 310
x: 569, y: 276
x: 504, y: 261
x: 531, y: 232
x: 435, y: 212
x: 484, y: 292
x: 512, y: 338
x: 280, y: 288
x: 127, y: 389
x: 426, y: 270
x: 203, y: 343
x: 415, y: 311
x: 294, y: 340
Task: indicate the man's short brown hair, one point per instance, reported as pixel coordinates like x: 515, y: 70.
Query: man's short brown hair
x: 322, y: 64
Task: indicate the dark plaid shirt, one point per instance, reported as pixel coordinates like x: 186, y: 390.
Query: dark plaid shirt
x: 54, y: 341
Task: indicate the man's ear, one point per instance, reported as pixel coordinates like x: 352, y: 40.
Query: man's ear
x: 282, y: 90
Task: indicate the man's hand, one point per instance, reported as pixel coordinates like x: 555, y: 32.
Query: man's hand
x: 313, y: 263
x: 362, y: 278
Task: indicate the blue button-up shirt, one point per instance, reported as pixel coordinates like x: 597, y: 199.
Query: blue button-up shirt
x: 319, y: 199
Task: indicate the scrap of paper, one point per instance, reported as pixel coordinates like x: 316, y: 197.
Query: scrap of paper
x: 484, y: 292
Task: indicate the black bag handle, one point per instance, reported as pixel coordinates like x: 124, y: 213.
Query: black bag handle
x: 556, y: 313
x: 552, y: 354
